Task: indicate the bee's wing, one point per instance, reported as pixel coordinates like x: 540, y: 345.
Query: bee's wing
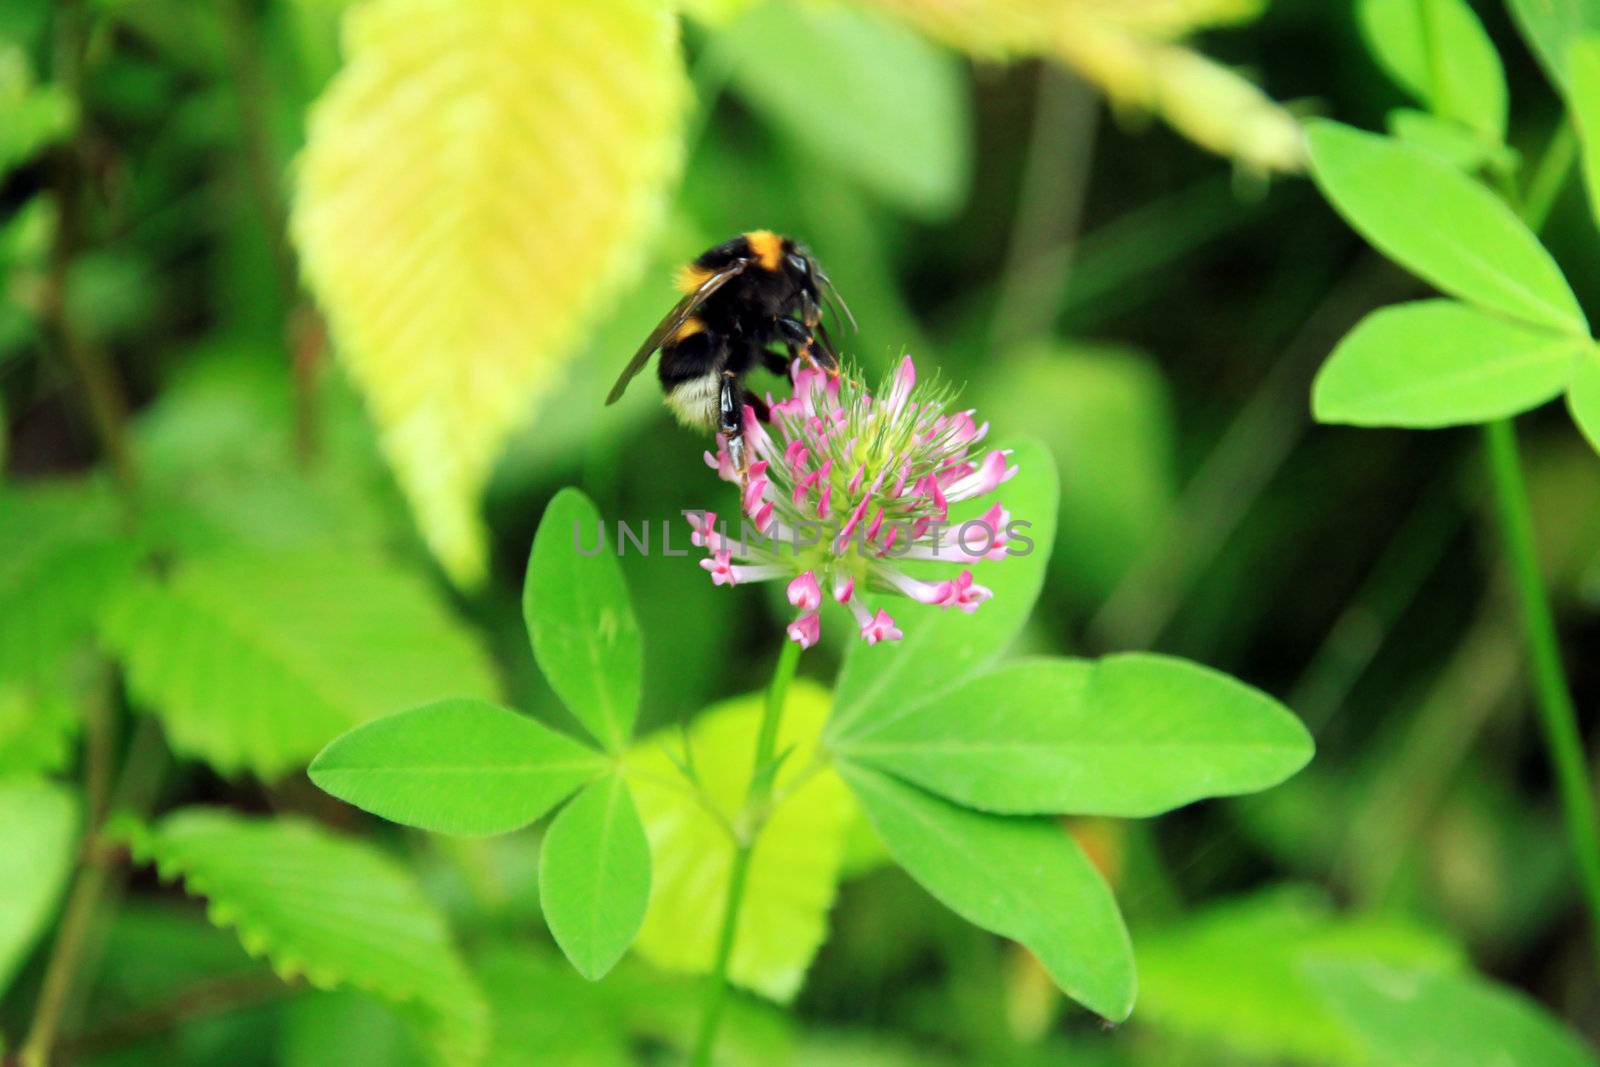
x: 672, y: 323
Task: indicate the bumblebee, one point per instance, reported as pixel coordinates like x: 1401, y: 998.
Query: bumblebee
x: 738, y: 299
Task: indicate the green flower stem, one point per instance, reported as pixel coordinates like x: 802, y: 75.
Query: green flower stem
x: 755, y: 803
x: 767, y: 740
x: 1557, y: 715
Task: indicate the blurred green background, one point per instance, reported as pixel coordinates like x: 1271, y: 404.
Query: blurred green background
x: 1151, y: 310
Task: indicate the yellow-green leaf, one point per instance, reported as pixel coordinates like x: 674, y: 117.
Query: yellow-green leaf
x: 1171, y: 18
x: 1127, y: 49
x: 479, y: 179
x: 794, y: 870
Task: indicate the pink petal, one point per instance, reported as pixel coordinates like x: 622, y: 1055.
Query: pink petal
x: 804, y: 592
x: 806, y: 630
x: 880, y: 627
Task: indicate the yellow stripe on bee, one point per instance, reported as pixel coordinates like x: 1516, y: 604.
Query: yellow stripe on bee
x: 767, y: 246
x: 691, y: 277
x: 690, y: 327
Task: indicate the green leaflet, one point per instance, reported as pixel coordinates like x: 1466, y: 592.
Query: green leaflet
x: 942, y: 647
x: 1438, y: 51
x: 1428, y: 1019
x: 902, y: 121
x: 254, y: 660
x: 1023, y: 878
x: 456, y: 766
x: 582, y: 625
x: 331, y: 909
x: 1441, y: 225
x: 1551, y: 26
x: 1266, y: 1007
x: 1441, y: 363
x: 1129, y: 735
x: 1583, y: 100
x: 1583, y: 396
x: 40, y: 821
x: 1449, y: 140
x: 594, y: 876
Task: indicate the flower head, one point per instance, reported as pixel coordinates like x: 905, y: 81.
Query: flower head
x: 843, y: 486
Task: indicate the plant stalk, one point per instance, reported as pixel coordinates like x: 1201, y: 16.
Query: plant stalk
x: 1557, y: 715
x: 104, y: 395
x: 755, y: 802
x: 73, y: 957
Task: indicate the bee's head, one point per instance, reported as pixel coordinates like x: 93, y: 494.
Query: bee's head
x: 801, y: 268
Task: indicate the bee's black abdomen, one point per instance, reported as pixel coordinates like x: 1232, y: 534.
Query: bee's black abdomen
x: 690, y: 369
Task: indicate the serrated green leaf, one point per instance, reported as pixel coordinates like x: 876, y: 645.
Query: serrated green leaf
x: 1427, y: 1019
x: 1438, y: 51
x: 1551, y: 26
x: 940, y: 648
x: 255, y: 660
x: 217, y: 461
x: 478, y: 181
x: 1235, y: 973
x: 594, y: 876
x: 899, y: 120
x: 1023, y: 878
x: 62, y: 555
x: 794, y: 869
x: 1583, y: 100
x: 1583, y: 396
x: 584, y: 633
x: 41, y: 835
x: 455, y: 767
x: 1129, y: 735
x: 1441, y: 225
x: 330, y: 909
x: 1441, y: 363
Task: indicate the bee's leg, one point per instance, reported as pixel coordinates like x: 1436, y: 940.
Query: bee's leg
x: 823, y: 351
x: 802, y: 342
x: 730, y: 418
